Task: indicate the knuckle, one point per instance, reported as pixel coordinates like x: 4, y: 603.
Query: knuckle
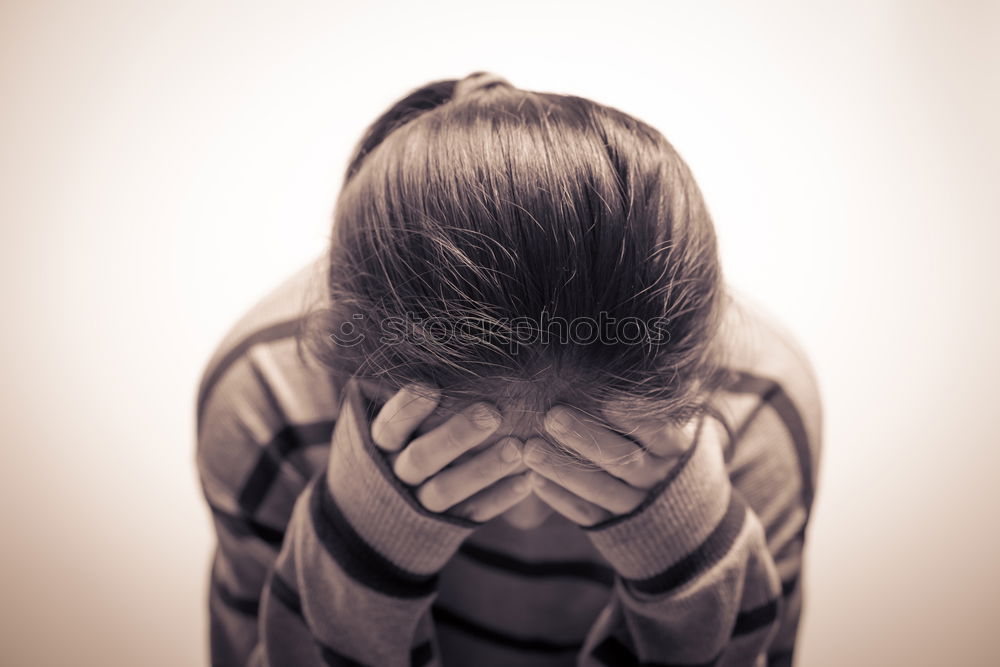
x: 408, y: 468
x: 431, y: 497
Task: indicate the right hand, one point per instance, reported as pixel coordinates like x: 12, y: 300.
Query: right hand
x: 446, y: 475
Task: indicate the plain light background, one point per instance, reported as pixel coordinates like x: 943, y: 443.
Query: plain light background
x: 162, y: 165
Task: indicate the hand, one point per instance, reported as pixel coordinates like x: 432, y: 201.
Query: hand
x: 443, y: 463
x: 625, y: 472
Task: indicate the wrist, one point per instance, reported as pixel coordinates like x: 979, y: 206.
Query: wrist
x: 377, y: 506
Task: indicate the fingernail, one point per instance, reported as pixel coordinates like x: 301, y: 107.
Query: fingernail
x: 536, y: 480
x: 510, y: 452
x: 484, y: 416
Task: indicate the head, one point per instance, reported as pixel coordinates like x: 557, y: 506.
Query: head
x: 527, y: 249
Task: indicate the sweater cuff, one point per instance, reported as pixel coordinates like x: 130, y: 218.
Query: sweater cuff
x: 382, y: 512
x: 687, y: 517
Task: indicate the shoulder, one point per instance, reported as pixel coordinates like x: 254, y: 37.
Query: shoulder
x: 766, y: 359
x: 262, y: 403
x: 774, y: 408
x: 264, y: 341
x: 274, y: 317
x: 773, y: 401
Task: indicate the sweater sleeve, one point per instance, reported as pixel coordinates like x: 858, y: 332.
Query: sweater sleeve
x: 348, y: 580
x: 696, y: 582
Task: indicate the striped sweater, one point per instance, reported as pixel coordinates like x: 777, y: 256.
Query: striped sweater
x: 344, y: 567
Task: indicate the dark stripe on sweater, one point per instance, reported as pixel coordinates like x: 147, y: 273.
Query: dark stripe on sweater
x: 244, y: 527
x: 422, y: 654
x: 356, y: 557
x: 574, y: 569
x: 274, y: 454
x: 748, y: 383
x: 792, y: 419
x: 614, y: 653
x: 270, y: 459
x: 745, y: 383
x: 419, y: 656
x: 754, y: 619
x: 336, y: 659
x: 284, y: 593
x: 472, y: 628
x: 782, y: 659
x: 773, y: 394
x: 787, y: 587
x: 274, y: 332
x: 245, y: 606
x: 778, y: 523
x: 704, y: 556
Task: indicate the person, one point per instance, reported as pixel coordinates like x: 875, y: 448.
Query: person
x: 513, y: 416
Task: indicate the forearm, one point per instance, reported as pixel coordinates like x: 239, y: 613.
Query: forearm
x: 331, y: 597
x: 696, y: 582
x: 350, y: 578
x: 359, y: 564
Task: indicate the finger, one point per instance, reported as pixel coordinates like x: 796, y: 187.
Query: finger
x: 402, y: 414
x: 663, y: 439
x: 376, y: 389
x: 430, y: 452
x: 611, y: 451
x: 457, y: 483
x: 570, y: 505
x: 376, y: 393
x: 494, y: 500
x: 597, y: 486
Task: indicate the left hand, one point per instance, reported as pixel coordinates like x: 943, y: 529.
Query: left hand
x: 625, y: 470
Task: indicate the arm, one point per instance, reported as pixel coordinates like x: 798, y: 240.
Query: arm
x: 701, y: 579
x: 696, y: 582
x: 349, y: 579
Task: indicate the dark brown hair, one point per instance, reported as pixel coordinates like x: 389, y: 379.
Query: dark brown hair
x: 501, y: 206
